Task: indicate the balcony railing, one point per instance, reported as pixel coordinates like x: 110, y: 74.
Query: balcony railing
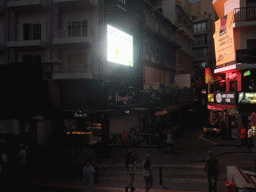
x: 245, y: 14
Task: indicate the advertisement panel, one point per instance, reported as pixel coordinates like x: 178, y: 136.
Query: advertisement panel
x: 224, y: 39
x: 219, y: 7
x: 246, y: 97
x: 119, y: 47
x: 211, y: 97
x: 225, y: 98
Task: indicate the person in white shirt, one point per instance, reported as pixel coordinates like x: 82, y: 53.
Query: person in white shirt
x: 147, y: 173
x: 250, y: 137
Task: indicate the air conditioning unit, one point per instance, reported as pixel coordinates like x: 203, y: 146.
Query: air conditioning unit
x: 153, y: 60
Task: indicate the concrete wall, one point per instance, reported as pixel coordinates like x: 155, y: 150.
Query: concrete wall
x: 230, y: 5
x: 234, y: 175
x: 168, y: 8
x: 183, y: 80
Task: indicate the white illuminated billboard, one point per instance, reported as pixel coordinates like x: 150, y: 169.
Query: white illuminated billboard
x: 119, y: 47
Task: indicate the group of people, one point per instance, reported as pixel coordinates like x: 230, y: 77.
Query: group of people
x: 131, y: 169
x: 216, y: 128
x: 246, y: 137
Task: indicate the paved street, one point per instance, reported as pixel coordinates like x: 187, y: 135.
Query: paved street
x: 182, y: 171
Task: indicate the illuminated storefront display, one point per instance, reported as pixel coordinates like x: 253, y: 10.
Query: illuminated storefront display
x: 119, y: 47
x: 211, y: 97
x: 225, y: 98
x: 246, y: 97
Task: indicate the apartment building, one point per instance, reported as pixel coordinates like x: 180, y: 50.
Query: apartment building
x: 235, y: 59
x: 203, y: 16
x: 178, y: 12
x: 76, y: 42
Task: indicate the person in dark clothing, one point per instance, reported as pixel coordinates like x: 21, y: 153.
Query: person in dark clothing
x: 212, y: 170
x: 130, y: 166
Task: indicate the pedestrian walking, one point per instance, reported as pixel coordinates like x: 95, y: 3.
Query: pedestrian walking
x: 147, y: 173
x: 22, y: 160
x: 250, y: 137
x: 242, y: 141
x: 130, y: 166
x: 88, y: 172
x: 3, y: 167
x: 212, y: 170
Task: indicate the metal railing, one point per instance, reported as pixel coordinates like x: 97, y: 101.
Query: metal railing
x: 245, y: 14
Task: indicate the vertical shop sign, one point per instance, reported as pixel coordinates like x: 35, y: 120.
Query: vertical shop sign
x: 224, y: 39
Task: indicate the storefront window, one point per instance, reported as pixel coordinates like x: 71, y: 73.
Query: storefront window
x: 90, y: 129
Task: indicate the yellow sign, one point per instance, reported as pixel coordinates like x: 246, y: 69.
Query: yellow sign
x: 224, y: 39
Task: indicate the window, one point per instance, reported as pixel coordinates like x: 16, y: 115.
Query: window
x: 31, y: 31
x: 77, y: 28
x: 201, y: 52
x: 201, y: 40
x: 200, y: 27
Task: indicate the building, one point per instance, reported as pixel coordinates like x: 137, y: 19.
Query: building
x: 203, y: 17
x: 235, y: 59
x: 178, y: 12
x: 75, y: 43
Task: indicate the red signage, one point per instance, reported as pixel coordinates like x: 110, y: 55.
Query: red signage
x: 215, y: 108
x: 231, y: 76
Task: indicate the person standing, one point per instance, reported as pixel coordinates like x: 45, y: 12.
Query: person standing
x: 147, y: 173
x: 4, y: 168
x: 250, y: 137
x: 242, y: 141
x: 212, y: 170
x: 22, y: 160
x: 88, y: 172
x: 130, y: 166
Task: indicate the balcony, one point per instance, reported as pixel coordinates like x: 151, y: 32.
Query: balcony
x: 66, y: 5
x: 183, y: 29
x: 65, y: 41
x: 26, y: 44
x: 72, y: 72
x: 27, y: 6
x: 245, y: 16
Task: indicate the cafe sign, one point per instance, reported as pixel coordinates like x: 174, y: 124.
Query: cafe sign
x: 225, y: 98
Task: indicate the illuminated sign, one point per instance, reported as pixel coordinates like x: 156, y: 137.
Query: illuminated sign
x: 247, y: 73
x: 225, y: 98
x: 215, y: 108
x: 160, y: 113
x: 125, y: 99
x: 80, y: 114
x: 231, y: 76
x: 211, y: 97
x: 119, y: 47
x: 246, y: 97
